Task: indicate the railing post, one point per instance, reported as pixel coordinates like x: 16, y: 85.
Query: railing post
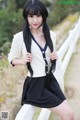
x: 26, y: 112
x: 59, y: 74
x: 44, y: 114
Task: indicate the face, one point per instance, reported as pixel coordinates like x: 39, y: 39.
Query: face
x: 35, y: 21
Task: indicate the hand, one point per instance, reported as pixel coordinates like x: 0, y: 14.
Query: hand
x: 53, y: 56
x: 27, y: 58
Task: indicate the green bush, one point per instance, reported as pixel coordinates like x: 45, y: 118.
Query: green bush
x: 11, y: 20
x: 10, y: 23
x: 6, y: 47
x: 60, y: 9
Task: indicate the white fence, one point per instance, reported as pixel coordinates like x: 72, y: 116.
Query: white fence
x: 64, y: 53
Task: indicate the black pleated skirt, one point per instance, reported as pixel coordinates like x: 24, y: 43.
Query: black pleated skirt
x: 42, y: 92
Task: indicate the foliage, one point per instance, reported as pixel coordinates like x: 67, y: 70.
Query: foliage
x: 20, y: 3
x: 6, y: 47
x: 11, y: 20
x: 10, y: 23
x: 61, y: 9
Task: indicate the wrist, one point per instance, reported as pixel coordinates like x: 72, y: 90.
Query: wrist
x: 17, y: 62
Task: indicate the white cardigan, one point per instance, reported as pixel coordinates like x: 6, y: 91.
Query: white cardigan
x: 37, y: 64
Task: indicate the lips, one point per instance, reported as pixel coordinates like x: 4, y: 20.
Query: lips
x: 35, y: 24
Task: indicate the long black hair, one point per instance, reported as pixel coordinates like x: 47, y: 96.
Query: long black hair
x: 35, y: 7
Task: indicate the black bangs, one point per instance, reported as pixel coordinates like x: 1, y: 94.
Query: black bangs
x: 36, y: 8
x: 33, y: 10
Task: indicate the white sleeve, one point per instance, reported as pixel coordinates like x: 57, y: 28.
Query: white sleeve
x: 53, y: 37
x: 15, y: 50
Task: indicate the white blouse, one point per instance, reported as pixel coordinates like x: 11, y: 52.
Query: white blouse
x: 38, y: 63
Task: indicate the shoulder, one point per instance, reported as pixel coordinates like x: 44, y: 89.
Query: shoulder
x: 18, y: 35
x: 52, y: 34
x: 17, y: 39
x: 53, y: 37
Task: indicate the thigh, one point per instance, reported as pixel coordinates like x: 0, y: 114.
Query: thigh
x: 62, y: 109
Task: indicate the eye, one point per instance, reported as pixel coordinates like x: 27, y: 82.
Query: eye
x: 30, y: 16
x: 38, y: 15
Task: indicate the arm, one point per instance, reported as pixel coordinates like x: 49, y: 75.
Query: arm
x: 53, y: 54
x: 22, y: 61
x: 53, y: 37
x: 15, y: 52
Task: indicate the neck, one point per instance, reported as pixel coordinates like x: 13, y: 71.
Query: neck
x: 38, y: 32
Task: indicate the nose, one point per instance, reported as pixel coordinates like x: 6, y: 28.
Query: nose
x: 34, y: 19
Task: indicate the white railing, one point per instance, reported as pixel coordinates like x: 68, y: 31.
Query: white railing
x: 64, y: 53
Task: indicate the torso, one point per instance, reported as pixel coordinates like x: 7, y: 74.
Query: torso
x: 40, y: 40
x: 38, y: 64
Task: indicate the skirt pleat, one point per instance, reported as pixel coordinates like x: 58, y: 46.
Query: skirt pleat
x: 42, y: 92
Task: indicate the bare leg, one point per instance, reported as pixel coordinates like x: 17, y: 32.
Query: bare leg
x: 64, y: 111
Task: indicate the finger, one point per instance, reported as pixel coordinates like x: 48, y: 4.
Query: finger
x: 53, y: 57
x: 54, y: 54
x: 29, y: 54
x: 29, y: 59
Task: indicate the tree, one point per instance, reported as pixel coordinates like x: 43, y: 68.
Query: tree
x: 3, y: 4
x: 20, y: 3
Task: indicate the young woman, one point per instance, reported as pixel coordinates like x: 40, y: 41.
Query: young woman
x: 36, y: 42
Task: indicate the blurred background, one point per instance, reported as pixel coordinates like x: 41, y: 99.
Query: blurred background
x: 11, y: 20
x: 63, y: 14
